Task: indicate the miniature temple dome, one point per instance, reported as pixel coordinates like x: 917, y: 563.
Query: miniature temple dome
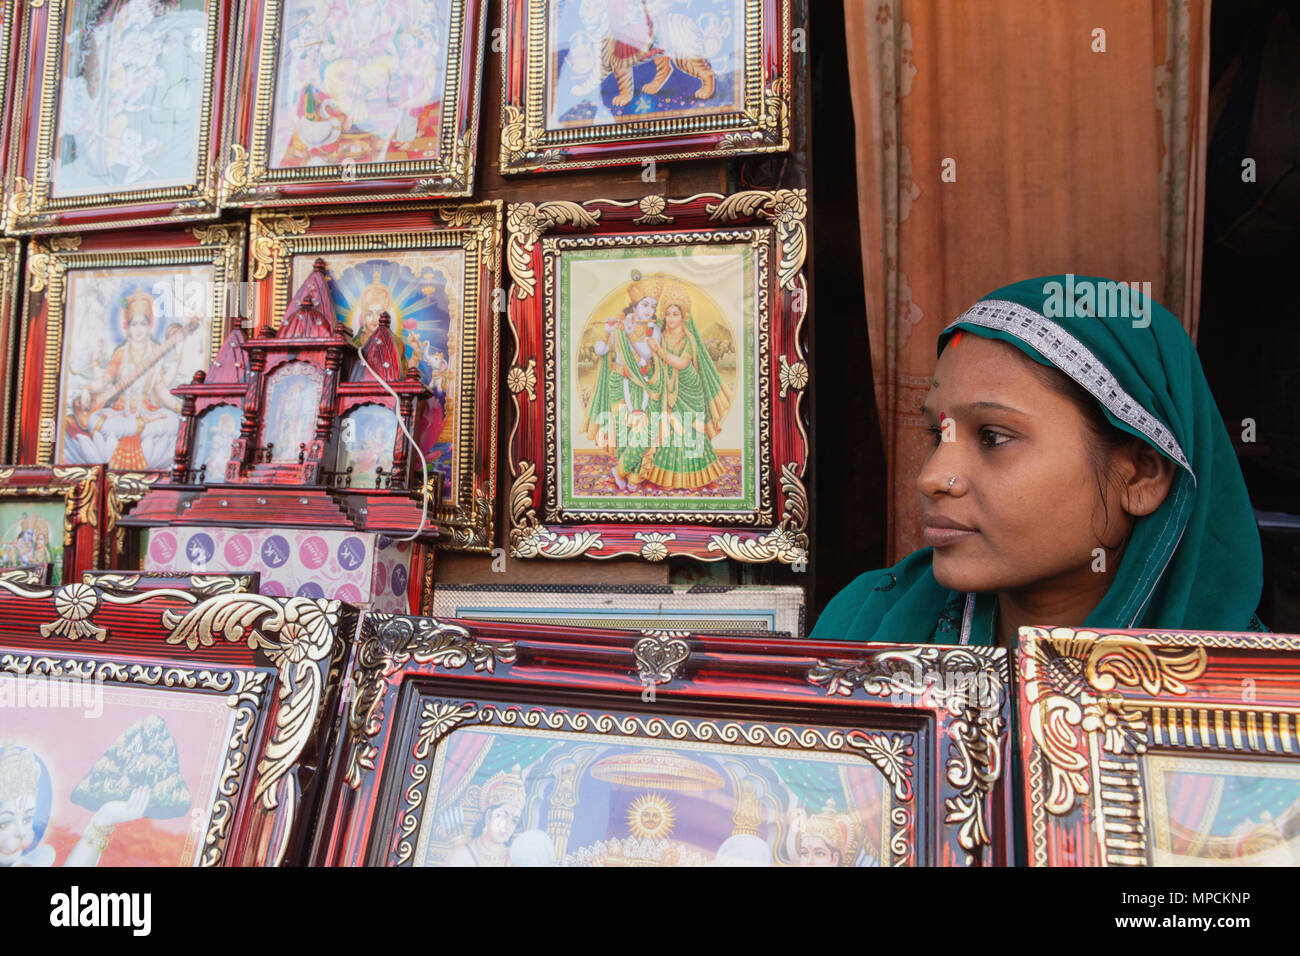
x: 382, y: 354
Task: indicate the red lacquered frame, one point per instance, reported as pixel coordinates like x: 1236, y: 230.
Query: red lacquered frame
x: 1096, y: 707
x: 80, y: 489
x: 468, y: 516
x: 773, y: 223
x: 50, y: 259
x: 246, y: 178
x: 276, y: 660
x: 10, y: 11
x: 29, y: 206
x: 763, y: 125
x: 932, y: 719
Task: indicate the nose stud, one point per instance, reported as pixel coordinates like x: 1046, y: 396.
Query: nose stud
x: 952, y: 481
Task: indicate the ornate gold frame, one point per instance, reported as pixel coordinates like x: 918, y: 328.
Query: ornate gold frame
x: 439, y: 717
x: 248, y: 180
x: 1094, y: 704
x: 275, y: 239
x: 971, y: 685
x: 204, y: 585
x: 29, y: 206
x: 761, y: 126
x: 48, y: 263
x: 782, y: 437
x: 246, y: 690
x: 303, y: 638
x: 77, y: 485
x: 388, y: 644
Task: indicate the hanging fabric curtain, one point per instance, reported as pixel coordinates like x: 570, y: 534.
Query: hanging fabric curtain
x: 1017, y: 138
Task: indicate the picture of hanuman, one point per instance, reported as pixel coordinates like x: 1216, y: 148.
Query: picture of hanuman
x: 659, y: 399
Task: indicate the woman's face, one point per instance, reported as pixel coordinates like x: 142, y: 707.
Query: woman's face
x: 673, y: 317
x: 1026, y: 486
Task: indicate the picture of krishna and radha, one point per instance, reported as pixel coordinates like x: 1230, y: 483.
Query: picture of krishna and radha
x: 660, y: 393
x: 31, y: 532
x: 513, y: 797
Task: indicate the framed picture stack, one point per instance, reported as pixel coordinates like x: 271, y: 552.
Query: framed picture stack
x: 299, y: 298
x: 474, y: 744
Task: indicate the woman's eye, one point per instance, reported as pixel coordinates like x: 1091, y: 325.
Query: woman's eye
x: 937, y: 432
x: 992, y: 439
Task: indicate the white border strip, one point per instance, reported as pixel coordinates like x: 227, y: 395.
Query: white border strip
x: 1075, y: 359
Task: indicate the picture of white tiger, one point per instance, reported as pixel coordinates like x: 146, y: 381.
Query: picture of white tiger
x: 628, y: 33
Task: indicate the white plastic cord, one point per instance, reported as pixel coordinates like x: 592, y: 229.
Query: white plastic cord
x: 424, y: 464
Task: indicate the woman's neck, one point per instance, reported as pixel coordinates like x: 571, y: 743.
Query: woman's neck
x: 1059, y: 602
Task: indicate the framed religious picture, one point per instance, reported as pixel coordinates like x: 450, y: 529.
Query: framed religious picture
x: 50, y: 516
x: 709, y: 609
x: 164, y: 728
x: 10, y: 296
x: 1160, y: 749
x: 366, y: 100
x: 658, y: 378
x: 479, y: 744
x: 435, y: 271
x: 629, y: 82
x: 117, y: 113
x: 112, y: 323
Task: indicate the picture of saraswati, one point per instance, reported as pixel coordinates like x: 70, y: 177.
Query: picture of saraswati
x: 124, y: 414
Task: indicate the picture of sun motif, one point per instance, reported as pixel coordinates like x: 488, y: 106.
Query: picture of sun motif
x: 650, y: 817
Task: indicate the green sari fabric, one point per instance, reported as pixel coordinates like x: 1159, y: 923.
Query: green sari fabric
x: 1195, y: 563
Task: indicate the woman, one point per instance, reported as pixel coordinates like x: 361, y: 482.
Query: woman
x: 1081, y: 476
x: 688, y: 400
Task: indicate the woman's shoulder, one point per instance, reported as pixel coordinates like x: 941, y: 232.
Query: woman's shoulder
x: 858, y: 611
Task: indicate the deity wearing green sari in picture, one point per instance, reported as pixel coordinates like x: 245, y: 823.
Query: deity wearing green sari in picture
x: 659, y: 399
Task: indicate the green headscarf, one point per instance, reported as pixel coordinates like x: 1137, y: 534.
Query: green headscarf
x: 1195, y: 563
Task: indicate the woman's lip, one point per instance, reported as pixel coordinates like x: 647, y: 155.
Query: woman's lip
x: 941, y: 537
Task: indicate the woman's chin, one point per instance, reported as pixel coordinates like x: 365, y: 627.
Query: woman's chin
x: 957, y: 574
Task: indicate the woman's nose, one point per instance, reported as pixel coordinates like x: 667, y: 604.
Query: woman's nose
x: 936, y: 474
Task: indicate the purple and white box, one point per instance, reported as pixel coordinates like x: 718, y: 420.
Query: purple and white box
x: 366, y: 570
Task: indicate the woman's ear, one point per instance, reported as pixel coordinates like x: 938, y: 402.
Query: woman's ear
x: 1148, y: 478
